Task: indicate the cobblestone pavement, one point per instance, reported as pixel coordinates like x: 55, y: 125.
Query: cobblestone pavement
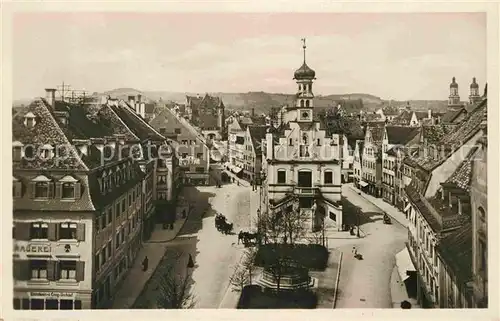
x: 367, y: 283
x: 214, y: 254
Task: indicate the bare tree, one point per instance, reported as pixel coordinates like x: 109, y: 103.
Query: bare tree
x: 293, y: 224
x: 248, y: 262
x: 239, y: 278
x: 174, y: 291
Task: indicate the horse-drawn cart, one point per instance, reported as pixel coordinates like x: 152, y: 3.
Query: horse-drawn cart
x: 222, y: 225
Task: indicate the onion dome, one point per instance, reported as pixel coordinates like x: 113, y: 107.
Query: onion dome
x: 304, y: 72
x: 474, y: 83
x: 453, y: 83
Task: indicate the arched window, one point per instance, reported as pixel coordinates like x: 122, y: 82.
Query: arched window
x: 310, y: 87
x: 302, y: 103
x: 307, y: 103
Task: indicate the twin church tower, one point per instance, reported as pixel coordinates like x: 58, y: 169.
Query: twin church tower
x: 454, y: 98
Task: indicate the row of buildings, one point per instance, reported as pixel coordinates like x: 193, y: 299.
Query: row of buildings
x: 90, y: 182
x: 435, y: 172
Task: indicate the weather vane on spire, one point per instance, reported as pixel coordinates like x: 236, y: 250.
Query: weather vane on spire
x: 304, y: 47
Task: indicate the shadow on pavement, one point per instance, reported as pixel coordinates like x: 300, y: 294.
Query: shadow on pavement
x: 350, y: 211
x: 176, y: 257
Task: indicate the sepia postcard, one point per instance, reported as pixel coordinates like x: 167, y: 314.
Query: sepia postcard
x: 292, y: 159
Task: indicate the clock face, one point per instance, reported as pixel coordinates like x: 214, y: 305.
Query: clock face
x: 305, y: 114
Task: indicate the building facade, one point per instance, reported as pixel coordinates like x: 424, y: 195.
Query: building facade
x: 302, y: 162
x: 479, y: 209
x: 78, y: 204
x: 440, y: 206
x: 371, y: 169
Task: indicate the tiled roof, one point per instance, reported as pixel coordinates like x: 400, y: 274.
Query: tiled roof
x: 421, y: 114
x: 166, y: 120
x: 451, y: 115
x: 45, y: 131
x: 404, y: 117
x: 109, y: 118
x: 463, y: 175
x: 377, y: 132
x: 135, y: 123
x: 400, y: 134
x: 193, y: 101
x: 208, y: 121
x: 416, y: 200
x: 257, y: 133
x: 456, y: 250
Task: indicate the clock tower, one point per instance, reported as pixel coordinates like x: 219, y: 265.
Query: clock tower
x: 304, y: 76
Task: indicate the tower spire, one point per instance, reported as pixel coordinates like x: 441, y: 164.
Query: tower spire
x: 304, y: 47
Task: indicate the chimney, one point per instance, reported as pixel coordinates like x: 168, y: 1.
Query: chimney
x: 139, y: 97
x: 197, y: 95
x: 50, y: 96
x: 253, y: 112
x: 131, y: 101
x: 429, y: 114
x: 142, y: 110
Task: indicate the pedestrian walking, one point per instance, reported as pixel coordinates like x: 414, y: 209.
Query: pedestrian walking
x: 145, y: 264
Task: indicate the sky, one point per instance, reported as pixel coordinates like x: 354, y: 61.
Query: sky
x: 402, y: 56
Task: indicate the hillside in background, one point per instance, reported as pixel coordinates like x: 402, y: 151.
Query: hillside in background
x: 263, y: 101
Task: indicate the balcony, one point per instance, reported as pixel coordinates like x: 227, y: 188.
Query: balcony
x: 306, y: 191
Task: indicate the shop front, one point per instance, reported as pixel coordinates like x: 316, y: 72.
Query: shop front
x: 51, y: 300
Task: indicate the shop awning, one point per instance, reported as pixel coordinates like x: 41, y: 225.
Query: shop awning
x: 407, y: 207
x: 363, y: 183
x: 404, y: 264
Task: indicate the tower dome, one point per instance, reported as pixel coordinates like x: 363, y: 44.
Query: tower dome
x: 474, y: 83
x: 453, y: 83
x: 304, y: 72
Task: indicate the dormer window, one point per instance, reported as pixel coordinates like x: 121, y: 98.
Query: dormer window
x: 290, y: 141
x: 16, y: 188
x: 68, y: 187
x: 47, y: 151
x: 29, y: 120
x: 41, y: 187
x: 17, y: 148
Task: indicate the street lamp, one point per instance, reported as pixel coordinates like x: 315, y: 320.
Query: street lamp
x: 357, y: 222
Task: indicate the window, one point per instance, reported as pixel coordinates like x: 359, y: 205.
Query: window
x: 102, y: 257
x: 67, y: 231
x: 39, y: 230
x: 97, y: 264
x: 200, y: 170
x: 123, y: 205
x: 117, y: 210
x: 66, y: 304
x: 37, y: 304
x: 199, y: 155
x: 177, y: 131
x: 41, y: 190
x: 162, y: 179
x: 483, y: 259
x: 17, y: 304
x: 68, y: 190
x: 51, y: 304
x: 328, y: 178
x: 318, y: 142
x: 163, y: 130
x: 108, y: 249
x: 117, y: 241
x: 281, y: 177
x: 67, y: 270
x: 38, y: 269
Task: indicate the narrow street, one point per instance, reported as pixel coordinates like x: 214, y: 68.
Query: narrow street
x: 367, y: 283
x: 214, y: 253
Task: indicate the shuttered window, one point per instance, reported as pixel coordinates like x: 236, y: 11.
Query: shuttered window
x: 38, y: 269
x: 80, y: 271
x: 67, y: 270
x: 39, y: 230
x: 68, y: 190
x: 67, y: 231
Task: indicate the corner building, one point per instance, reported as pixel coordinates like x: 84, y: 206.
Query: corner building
x: 78, y: 204
x: 302, y: 161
